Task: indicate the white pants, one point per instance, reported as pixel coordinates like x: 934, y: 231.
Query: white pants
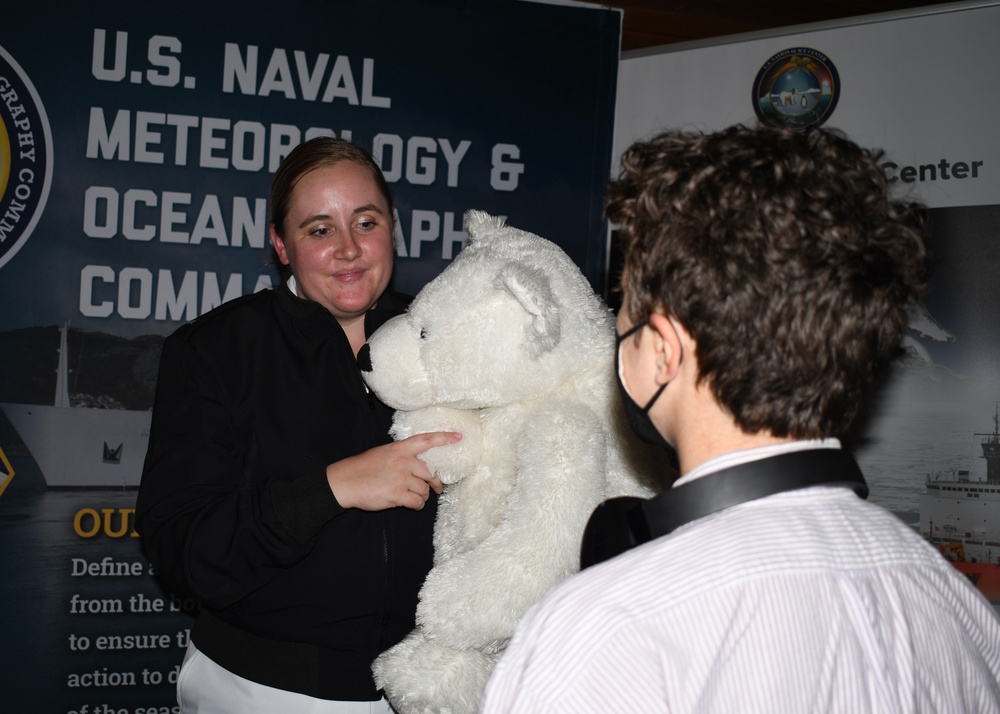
x: 203, y: 687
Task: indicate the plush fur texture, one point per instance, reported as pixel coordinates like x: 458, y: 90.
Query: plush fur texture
x: 510, y: 346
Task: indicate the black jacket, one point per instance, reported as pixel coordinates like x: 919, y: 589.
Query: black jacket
x: 253, y: 400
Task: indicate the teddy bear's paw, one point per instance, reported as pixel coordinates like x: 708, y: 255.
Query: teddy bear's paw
x: 452, y: 462
x: 420, y: 677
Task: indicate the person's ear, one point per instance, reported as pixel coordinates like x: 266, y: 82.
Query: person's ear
x: 669, y: 347
x: 279, y: 245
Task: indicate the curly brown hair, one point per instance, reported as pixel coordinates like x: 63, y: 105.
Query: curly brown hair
x: 783, y: 255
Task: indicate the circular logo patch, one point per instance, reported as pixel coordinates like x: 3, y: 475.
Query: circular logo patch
x: 797, y: 87
x: 25, y: 157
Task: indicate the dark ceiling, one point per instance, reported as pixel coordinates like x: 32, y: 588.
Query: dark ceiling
x: 650, y: 23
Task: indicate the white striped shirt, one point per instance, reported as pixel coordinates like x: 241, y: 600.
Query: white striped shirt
x: 806, y: 601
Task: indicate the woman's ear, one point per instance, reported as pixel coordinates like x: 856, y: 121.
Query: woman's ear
x: 279, y: 245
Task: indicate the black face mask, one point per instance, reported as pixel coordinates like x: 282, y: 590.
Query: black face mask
x: 638, y: 417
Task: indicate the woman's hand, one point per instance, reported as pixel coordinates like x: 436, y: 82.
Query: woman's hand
x: 390, y: 475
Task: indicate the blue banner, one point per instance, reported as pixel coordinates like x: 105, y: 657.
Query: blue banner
x: 137, y: 143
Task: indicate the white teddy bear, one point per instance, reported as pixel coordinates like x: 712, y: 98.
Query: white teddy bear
x: 510, y: 346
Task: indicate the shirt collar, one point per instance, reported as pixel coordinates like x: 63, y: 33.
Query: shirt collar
x: 742, y: 456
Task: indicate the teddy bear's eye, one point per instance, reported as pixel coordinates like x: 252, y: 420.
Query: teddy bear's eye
x: 423, y: 333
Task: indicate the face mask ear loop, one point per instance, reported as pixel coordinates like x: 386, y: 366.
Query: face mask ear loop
x: 628, y: 333
x: 652, y: 401
x: 621, y: 378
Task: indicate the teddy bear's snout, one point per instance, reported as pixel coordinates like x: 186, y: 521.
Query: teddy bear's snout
x: 365, y: 358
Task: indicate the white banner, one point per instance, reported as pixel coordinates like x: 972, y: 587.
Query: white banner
x: 920, y: 86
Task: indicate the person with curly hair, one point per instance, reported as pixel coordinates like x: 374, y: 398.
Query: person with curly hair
x: 767, y: 280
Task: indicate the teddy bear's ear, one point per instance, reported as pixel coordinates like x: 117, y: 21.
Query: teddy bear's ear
x: 478, y: 223
x: 532, y: 289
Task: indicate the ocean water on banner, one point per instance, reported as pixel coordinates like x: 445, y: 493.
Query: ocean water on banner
x: 86, y: 626
x: 913, y: 441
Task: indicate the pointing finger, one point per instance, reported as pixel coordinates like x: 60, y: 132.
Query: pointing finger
x: 431, y: 439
